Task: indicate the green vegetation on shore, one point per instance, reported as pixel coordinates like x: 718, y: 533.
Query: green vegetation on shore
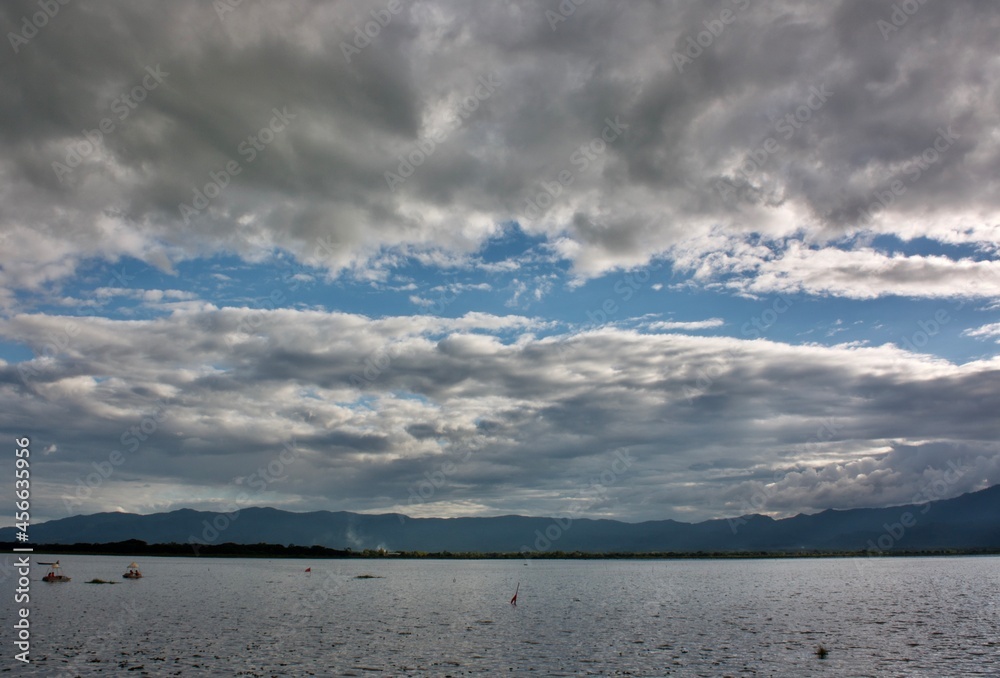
x: 135, y: 547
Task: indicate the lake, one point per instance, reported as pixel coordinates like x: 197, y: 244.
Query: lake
x: 248, y: 617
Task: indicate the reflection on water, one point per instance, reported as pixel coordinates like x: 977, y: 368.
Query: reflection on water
x: 227, y: 617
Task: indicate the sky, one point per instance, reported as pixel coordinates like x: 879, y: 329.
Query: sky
x: 632, y: 260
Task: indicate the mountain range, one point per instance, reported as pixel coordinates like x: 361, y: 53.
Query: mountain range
x: 970, y: 521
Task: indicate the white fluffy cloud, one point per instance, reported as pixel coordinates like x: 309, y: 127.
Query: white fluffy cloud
x: 790, y: 266
x: 985, y: 332
x: 687, y: 325
x: 375, y: 403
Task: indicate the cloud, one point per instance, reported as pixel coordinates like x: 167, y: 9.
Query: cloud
x: 900, y: 473
x: 984, y: 332
x: 686, y: 324
x: 495, y: 112
x: 791, y: 266
x: 147, y: 296
x: 196, y: 397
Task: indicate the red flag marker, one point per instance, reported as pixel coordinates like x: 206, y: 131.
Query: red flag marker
x: 513, y: 601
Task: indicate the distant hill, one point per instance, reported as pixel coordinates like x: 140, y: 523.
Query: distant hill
x: 971, y: 521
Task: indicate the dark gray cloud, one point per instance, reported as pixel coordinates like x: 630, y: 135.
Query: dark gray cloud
x: 715, y: 141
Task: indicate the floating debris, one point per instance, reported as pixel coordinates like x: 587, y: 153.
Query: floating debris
x: 368, y: 576
x: 821, y: 652
x: 101, y: 581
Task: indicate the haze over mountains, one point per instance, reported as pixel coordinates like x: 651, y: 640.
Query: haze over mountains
x: 970, y: 521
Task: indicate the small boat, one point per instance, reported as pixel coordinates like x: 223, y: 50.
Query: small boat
x: 133, y: 572
x: 54, y: 575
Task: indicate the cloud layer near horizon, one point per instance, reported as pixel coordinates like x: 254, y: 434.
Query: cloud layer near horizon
x: 525, y: 425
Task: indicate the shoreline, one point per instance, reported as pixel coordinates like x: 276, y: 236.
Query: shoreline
x: 139, y: 548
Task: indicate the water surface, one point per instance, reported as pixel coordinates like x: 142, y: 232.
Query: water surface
x: 249, y: 617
